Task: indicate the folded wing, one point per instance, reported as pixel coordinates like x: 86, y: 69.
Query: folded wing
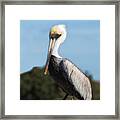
x: 80, y: 81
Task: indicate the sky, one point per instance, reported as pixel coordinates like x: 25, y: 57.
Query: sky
x: 82, y: 44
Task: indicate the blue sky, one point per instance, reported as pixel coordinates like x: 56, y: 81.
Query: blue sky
x: 82, y: 45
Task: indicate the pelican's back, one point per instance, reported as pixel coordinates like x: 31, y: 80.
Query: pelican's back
x: 80, y: 81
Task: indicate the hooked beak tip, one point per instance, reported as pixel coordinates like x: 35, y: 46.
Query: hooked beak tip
x: 46, y: 70
x: 45, y: 73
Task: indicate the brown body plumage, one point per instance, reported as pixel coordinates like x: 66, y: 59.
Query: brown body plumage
x: 65, y: 78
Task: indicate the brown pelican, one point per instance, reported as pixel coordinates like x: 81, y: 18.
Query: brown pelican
x: 68, y: 76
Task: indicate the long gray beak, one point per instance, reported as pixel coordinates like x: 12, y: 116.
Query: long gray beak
x: 50, y: 49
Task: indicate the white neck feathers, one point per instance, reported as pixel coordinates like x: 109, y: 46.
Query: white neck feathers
x: 56, y: 49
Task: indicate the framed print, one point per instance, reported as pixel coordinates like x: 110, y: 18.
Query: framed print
x: 59, y: 59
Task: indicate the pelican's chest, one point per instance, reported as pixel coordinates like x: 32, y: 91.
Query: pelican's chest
x: 54, y: 66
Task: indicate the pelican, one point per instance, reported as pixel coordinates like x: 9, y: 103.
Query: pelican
x: 67, y: 75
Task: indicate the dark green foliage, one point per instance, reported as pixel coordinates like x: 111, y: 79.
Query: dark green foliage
x: 95, y: 89
x: 95, y: 86
x: 34, y: 85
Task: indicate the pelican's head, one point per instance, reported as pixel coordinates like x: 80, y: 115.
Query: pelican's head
x: 57, y: 36
x: 58, y: 32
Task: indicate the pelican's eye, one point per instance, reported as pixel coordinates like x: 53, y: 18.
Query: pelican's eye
x: 55, y: 36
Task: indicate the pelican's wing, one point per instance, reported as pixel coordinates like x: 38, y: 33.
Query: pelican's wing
x: 77, y: 78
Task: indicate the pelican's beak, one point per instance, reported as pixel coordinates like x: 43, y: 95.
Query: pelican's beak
x: 51, y: 46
